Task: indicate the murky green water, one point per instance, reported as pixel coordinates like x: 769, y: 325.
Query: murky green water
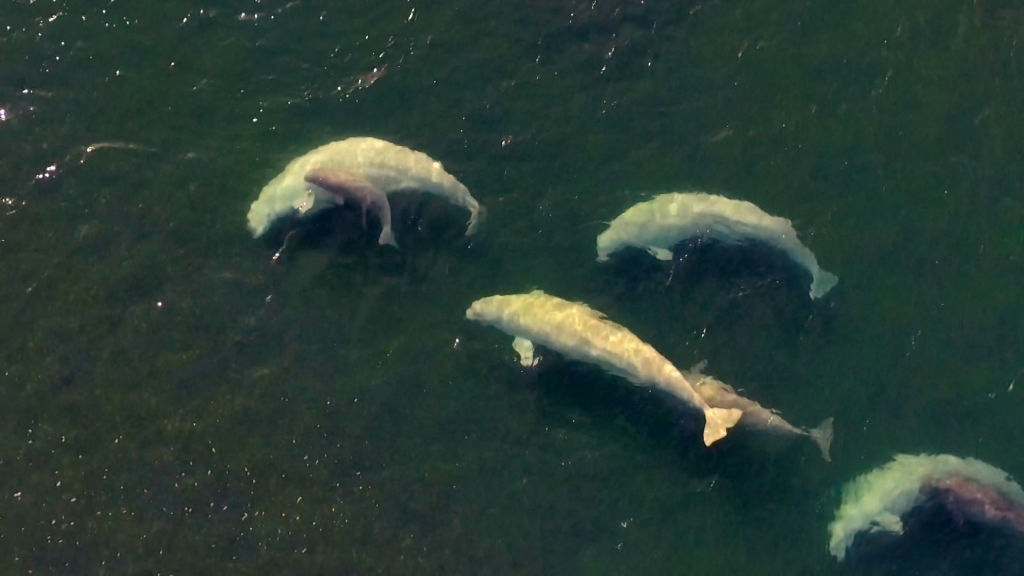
x: 174, y: 402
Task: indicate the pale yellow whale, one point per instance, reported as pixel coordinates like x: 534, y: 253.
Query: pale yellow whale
x: 581, y: 333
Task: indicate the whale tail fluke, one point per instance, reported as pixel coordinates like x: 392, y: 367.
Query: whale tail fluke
x: 387, y: 237
x: 822, y: 283
x: 717, y: 422
x: 822, y: 436
x: 476, y: 218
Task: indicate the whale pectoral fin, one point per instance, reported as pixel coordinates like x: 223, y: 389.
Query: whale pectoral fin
x: 303, y: 202
x: 525, y: 350
x: 887, y: 522
x: 663, y: 254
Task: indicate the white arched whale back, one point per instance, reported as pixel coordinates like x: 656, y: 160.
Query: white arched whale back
x: 874, y: 502
x: 658, y: 224
x: 387, y: 166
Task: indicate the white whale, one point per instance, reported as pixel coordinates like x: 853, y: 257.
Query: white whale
x: 386, y: 166
x: 658, y: 224
x: 875, y: 501
x: 583, y: 334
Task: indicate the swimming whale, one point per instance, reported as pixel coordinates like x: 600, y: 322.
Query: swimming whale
x: 875, y: 501
x: 384, y: 165
x: 720, y: 395
x: 347, y: 187
x: 658, y: 224
x: 967, y: 498
x: 582, y: 333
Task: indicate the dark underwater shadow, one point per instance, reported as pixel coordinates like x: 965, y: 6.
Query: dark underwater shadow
x: 430, y: 234
x: 935, y: 542
x: 742, y: 268
x: 566, y: 389
x: 740, y: 295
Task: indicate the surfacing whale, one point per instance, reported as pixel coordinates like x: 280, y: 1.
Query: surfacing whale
x: 384, y: 165
x: 877, y: 500
x: 582, y: 333
x: 665, y: 220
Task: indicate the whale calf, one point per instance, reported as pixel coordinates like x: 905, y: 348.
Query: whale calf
x: 581, y: 333
x: 658, y: 224
x: 386, y: 166
x: 720, y: 395
x: 346, y: 187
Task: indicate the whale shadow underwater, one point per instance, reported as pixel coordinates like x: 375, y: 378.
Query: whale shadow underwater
x: 745, y: 288
x: 739, y: 268
x: 563, y: 390
x: 935, y: 541
x: 430, y: 233
x: 741, y: 289
x: 416, y: 220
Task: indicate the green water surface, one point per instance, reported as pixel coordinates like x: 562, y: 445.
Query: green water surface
x: 173, y: 401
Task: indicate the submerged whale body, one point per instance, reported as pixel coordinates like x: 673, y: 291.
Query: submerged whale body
x: 581, y: 333
x: 381, y: 164
x: 658, y: 224
x: 720, y: 395
x: 969, y: 488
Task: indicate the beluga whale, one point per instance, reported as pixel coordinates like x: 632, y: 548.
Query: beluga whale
x: 363, y: 166
x: 667, y: 219
x: 345, y: 187
x: 584, y: 334
x: 755, y: 416
x: 971, y: 490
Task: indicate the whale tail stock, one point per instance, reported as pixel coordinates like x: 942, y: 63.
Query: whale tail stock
x: 822, y: 436
x: 717, y: 422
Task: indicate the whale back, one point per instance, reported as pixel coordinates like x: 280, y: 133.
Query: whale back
x: 668, y: 219
x: 660, y: 223
x: 387, y: 166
